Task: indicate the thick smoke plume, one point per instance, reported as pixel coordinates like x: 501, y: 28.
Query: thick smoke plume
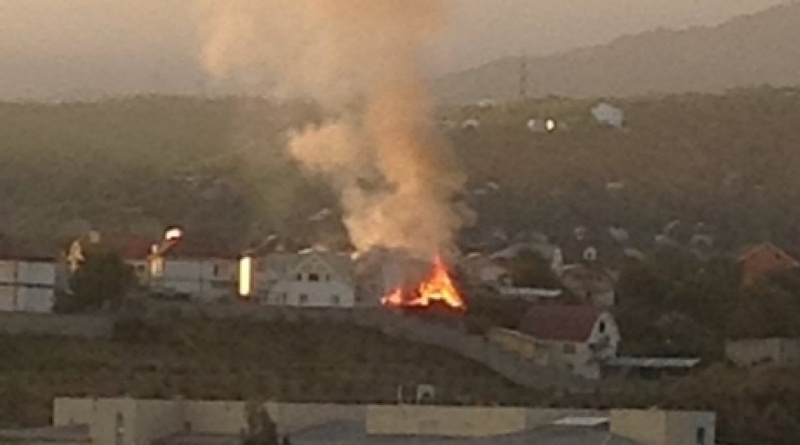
x: 397, y: 179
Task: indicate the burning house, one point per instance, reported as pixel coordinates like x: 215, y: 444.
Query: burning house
x: 396, y: 280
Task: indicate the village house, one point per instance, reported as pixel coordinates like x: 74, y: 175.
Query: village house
x: 176, y: 266
x: 199, y: 269
x: 27, y: 283
x: 311, y: 278
x: 578, y: 339
x: 756, y: 262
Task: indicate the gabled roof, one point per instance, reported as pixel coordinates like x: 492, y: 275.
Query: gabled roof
x: 11, y: 249
x: 750, y: 250
x: 560, y: 322
x: 195, y: 247
x: 128, y: 245
x: 285, y: 264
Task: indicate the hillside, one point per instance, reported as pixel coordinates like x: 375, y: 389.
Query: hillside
x: 752, y: 50
x: 218, y: 168
x: 212, y: 360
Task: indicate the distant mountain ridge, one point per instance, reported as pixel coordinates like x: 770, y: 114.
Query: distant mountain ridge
x: 756, y: 49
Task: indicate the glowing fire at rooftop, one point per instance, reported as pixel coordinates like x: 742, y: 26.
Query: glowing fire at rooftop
x: 437, y: 288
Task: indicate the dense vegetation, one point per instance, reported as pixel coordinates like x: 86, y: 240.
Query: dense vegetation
x: 218, y: 167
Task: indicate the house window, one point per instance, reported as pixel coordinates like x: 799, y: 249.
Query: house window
x: 590, y: 254
x: 216, y: 270
x: 313, y: 277
x: 601, y: 327
x: 299, y: 277
x: 569, y: 348
x: 335, y: 300
x: 303, y: 298
x: 327, y: 277
x: 700, y: 436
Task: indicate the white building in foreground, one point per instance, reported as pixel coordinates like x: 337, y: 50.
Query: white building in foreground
x: 27, y: 285
x: 182, y: 422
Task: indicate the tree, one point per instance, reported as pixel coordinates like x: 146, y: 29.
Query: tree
x: 101, y: 281
x: 261, y: 429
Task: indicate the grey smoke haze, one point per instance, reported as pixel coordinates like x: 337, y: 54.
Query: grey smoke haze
x: 50, y: 47
x: 317, y: 49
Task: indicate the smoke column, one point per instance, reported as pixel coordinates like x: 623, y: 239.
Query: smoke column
x: 396, y: 177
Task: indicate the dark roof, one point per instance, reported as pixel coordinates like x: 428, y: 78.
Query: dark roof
x: 560, y: 322
x: 750, y: 250
x: 129, y: 246
x: 11, y: 249
x: 192, y: 246
x: 351, y: 433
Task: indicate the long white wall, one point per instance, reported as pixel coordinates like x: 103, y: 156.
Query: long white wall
x: 27, y: 286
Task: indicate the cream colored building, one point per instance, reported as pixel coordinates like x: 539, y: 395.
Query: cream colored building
x: 656, y: 427
x: 127, y: 421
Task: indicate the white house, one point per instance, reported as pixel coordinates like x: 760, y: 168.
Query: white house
x: 607, y: 114
x: 311, y: 278
x: 578, y: 339
x: 27, y: 285
x: 202, y: 278
x: 197, y: 269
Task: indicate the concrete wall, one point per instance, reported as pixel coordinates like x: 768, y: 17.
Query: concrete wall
x: 86, y: 326
x: 155, y: 419
x: 227, y: 417
x: 685, y: 428
x: 654, y: 427
x: 69, y: 411
x: 768, y: 352
x: 514, y: 341
x: 644, y: 427
x: 444, y: 421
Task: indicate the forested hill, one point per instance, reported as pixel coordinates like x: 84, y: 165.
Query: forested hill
x: 218, y: 167
x: 758, y: 49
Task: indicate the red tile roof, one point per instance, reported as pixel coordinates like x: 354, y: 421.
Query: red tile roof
x: 560, y: 322
x: 129, y: 246
x: 194, y: 247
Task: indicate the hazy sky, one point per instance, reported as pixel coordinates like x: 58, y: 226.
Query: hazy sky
x: 151, y: 39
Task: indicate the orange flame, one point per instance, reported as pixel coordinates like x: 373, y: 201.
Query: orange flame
x: 438, y: 287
